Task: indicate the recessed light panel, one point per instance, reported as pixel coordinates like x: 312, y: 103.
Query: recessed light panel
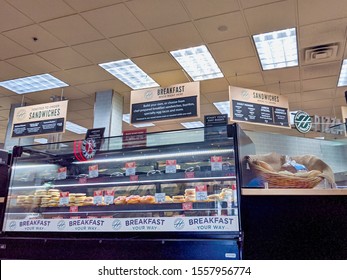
x: 192, y: 124
x: 223, y: 107
x: 129, y: 73
x: 277, y: 49
x: 198, y: 63
x: 33, y: 84
x: 343, y: 75
x: 75, y: 128
x: 41, y: 140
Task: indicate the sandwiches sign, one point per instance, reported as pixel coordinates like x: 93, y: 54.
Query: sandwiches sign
x: 39, y: 119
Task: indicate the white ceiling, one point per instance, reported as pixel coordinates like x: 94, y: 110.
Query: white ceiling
x: 75, y: 35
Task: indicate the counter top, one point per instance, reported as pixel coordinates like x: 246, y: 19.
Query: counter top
x: 246, y: 191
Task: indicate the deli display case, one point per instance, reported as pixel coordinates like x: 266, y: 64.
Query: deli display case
x: 165, y: 195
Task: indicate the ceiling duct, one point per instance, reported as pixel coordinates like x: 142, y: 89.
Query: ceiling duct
x: 321, y: 53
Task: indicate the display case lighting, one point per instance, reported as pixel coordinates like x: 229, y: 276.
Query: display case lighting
x: 75, y: 128
x: 41, y: 140
x: 198, y: 63
x: 33, y: 84
x: 277, y: 49
x: 192, y: 124
x: 129, y: 73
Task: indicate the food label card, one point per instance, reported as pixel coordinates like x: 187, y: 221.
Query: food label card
x: 130, y: 168
x: 93, y: 171
x: 98, y: 195
x: 170, y: 166
x: 61, y: 173
x: 201, y: 193
x: 159, y: 197
x: 64, y: 198
x: 109, y: 197
x: 216, y: 163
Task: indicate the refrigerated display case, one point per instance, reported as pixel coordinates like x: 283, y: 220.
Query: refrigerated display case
x: 174, y: 192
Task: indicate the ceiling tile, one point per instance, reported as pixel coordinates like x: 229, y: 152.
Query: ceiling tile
x: 39, y: 97
x: 80, y: 33
x: 206, y: 8
x: 10, y: 18
x: 249, y: 80
x: 86, y: 114
x: 319, y: 83
x: 76, y: 105
x: 10, y: 49
x: 32, y: 64
x: 85, y: 5
x: 320, y: 70
x: 320, y: 10
x: 316, y: 104
x: 214, y: 85
x: 137, y: 44
x: 83, y: 75
x: 271, y: 17
x: 67, y: 92
x: 41, y: 10
x: 323, y: 33
x: 65, y: 58
x: 212, y: 29
x: 253, y: 3
x: 218, y: 96
x: 156, y: 63
x: 115, y: 84
x: 158, y: 13
x: 281, y: 75
x: 185, y: 36
x: 203, y: 99
x: 293, y: 97
x: 240, y: 66
x: 9, y: 72
x: 100, y: 51
x: 113, y: 20
x: 283, y: 87
x: 24, y: 36
x: 317, y: 94
x: 232, y: 49
x: 208, y: 109
x: 169, y: 78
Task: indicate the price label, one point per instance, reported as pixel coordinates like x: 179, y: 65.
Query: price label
x: 61, y: 173
x: 170, y: 166
x: 73, y: 209
x: 130, y: 168
x: 93, y: 171
x: 201, y: 193
x: 109, y: 197
x: 187, y: 205
x: 134, y: 177
x: 98, y: 197
x: 216, y: 163
x: 82, y: 180
x: 159, y: 197
x: 189, y: 174
x: 64, y: 199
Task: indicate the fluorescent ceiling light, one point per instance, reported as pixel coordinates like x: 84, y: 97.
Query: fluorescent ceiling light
x: 129, y: 73
x: 193, y: 124
x: 223, y: 107
x: 41, y: 140
x: 75, y: 128
x: 277, y: 49
x: 198, y: 63
x: 343, y: 75
x: 126, y: 118
x: 33, y: 84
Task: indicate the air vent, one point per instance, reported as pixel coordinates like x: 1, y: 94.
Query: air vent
x: 321, y: 53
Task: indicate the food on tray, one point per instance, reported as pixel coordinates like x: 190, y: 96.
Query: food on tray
x: 190, y: 198
x: 178, y: 198
x: 213, y: 197
x: 168, y: 199
x: 133, y: 199
x: 265, y: 165
x: 88, y: 201
x: 148, y: 199
x: 120, y: 199
x: 189, y: 192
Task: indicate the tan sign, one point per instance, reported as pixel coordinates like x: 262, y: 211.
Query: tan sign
x: 258, y: 107
x: 39, y: 119
x: 165, y: 103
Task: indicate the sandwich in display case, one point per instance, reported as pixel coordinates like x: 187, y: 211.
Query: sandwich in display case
x: 176, y: 192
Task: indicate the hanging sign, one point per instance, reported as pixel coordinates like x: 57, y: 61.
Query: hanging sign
x: 258, y: 107
x: 302, y: 122
x: 165, y: 103
x: 39, y: 119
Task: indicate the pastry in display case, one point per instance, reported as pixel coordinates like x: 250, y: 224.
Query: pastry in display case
x: 180, y: 181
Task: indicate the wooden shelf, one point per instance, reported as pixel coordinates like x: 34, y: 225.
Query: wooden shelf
x: 246, y: 191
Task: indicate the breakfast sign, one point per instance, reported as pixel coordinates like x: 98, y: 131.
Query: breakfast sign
x: 178, y: 101
x: 258, y: 107
x: 39, y: 119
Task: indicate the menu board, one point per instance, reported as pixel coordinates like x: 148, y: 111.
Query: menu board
x: 39, y: 119
x: 158, y: 104
x: 258, y: 107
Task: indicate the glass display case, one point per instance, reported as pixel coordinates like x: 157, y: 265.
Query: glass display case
x: 178, y: 182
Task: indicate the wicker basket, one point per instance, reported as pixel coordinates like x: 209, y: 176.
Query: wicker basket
x: 280, y: 180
